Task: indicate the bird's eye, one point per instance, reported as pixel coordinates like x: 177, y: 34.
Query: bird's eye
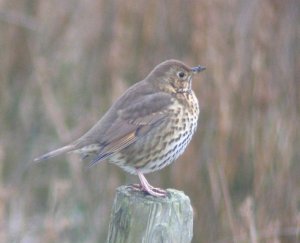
x: 181, y: 74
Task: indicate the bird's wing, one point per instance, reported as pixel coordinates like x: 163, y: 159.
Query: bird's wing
x: 133, y: 122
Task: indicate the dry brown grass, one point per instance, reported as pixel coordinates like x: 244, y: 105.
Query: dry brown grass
x: 62, y: 63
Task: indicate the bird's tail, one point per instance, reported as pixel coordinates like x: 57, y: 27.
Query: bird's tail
x: 56, y: 152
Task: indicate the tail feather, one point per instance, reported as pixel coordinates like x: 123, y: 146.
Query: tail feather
x: 56, y: 152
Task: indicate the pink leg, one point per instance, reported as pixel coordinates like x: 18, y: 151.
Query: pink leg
x: 145, y: 186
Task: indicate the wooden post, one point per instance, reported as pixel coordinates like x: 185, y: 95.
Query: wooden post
x: 140, y: 218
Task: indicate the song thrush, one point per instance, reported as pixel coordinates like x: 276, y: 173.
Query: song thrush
x: 148, y: 127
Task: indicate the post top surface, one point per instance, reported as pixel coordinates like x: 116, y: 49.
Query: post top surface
x: 173, y: 195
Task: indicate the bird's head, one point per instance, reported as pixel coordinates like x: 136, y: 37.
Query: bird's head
x: 173, y: 76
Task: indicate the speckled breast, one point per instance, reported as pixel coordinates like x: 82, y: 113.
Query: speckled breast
x: 164, y: 143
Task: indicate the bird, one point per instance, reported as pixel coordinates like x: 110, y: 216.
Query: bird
x: 146, y: 128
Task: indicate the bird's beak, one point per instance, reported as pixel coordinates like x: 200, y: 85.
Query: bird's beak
x: 198, y: 69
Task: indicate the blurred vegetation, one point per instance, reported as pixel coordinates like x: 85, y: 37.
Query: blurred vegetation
x: 62, y: 63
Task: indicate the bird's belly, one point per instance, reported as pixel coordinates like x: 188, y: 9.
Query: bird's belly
x: 160, y: 147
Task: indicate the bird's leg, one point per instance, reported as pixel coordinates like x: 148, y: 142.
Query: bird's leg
x: 145, y: 186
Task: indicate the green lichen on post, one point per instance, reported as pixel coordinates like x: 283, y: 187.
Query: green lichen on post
x: 141, y: 218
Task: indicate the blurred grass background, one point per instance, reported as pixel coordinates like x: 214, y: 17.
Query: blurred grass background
x: 62, y: 63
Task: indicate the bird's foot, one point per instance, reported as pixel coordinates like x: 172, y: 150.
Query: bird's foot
x: 156, y: 192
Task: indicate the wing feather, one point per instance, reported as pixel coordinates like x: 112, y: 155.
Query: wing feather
x: 134, y: 122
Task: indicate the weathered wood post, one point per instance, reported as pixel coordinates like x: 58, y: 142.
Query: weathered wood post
x: 140, y: 218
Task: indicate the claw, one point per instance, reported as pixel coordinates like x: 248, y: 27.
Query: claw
x: 146, y: 187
